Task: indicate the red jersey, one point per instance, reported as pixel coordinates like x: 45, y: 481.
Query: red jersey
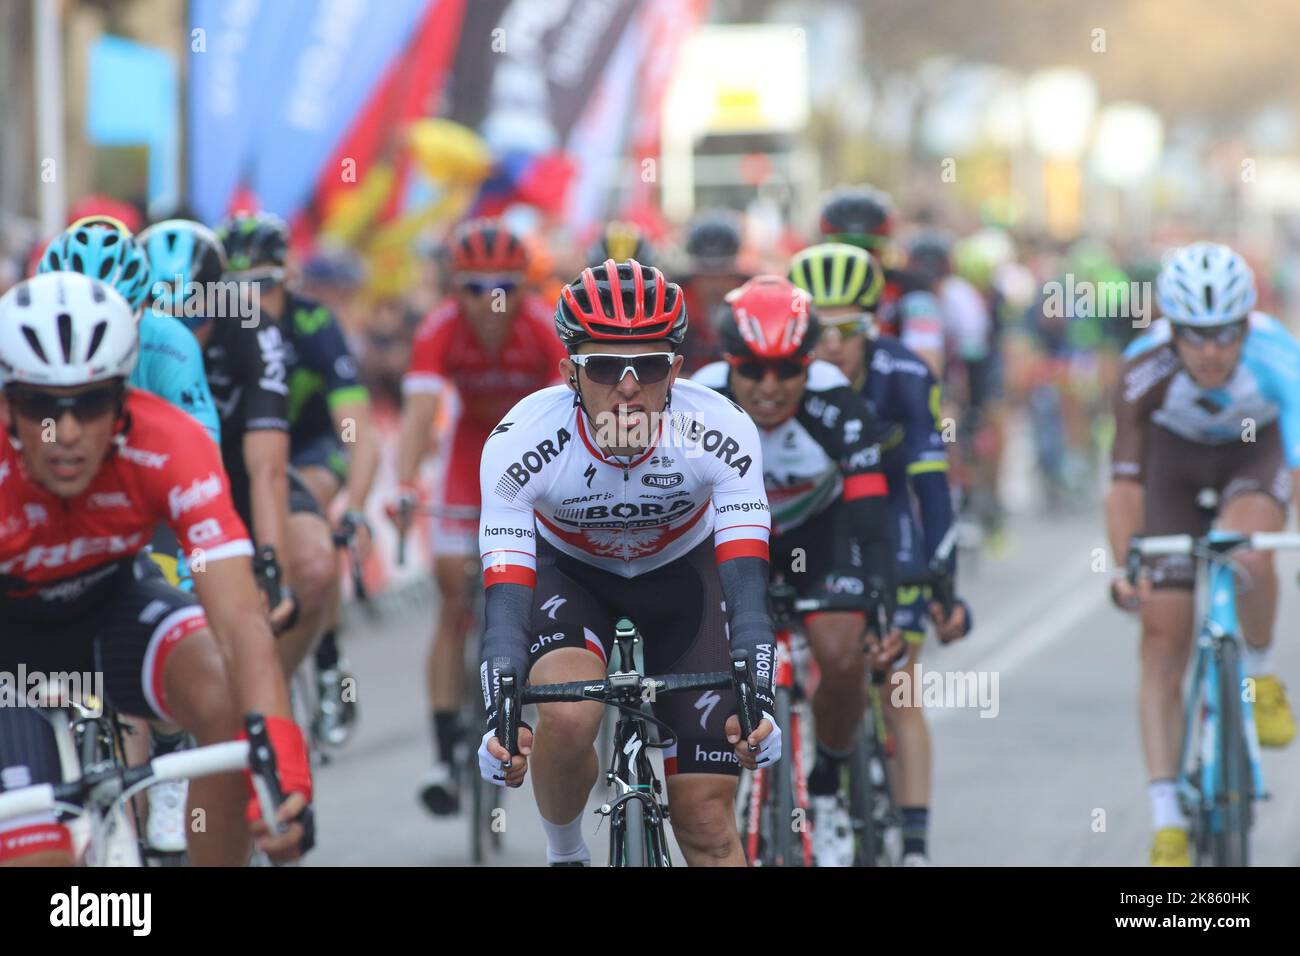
x: 446, y: 350
x: 58, y: 555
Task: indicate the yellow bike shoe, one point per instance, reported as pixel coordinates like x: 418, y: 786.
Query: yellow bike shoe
x: 1170, y: 848
x: 1273, y: 719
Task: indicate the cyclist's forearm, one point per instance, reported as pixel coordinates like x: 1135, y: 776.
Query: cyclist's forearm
x: 268, y: 492
x: 1123, y: 516
x: 744, y: 585
x: 1295, y: 488
x: 935, y: 500
x: 413, y: 436
x: 869, y: 520
x: 507, y: 608
x: 364, y: 463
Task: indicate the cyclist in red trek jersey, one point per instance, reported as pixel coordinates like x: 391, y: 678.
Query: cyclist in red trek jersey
x: 493, y: 344
x: 76, y: 506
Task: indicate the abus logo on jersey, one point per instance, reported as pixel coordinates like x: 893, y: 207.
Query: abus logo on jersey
x: 522, y: 471
x: 663, y: 481
x: 72, y: 551
x: 200, y: 492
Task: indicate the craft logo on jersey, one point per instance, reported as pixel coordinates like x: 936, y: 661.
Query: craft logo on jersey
x: 663, y: 481
x: 200, y: 492
x: 532, y: 462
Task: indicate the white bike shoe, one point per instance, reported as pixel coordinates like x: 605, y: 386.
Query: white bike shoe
x: 832, y: 832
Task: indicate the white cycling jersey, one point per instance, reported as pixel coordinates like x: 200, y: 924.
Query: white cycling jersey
x: 543, y: 473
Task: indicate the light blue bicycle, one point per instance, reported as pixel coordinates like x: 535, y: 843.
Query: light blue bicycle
x: 1219, y: 769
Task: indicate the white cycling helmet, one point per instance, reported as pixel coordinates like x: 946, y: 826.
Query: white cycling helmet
x: 1205, y: 284
x: 63, y: 328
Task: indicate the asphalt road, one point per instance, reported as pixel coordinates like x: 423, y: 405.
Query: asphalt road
x: 1023, y: 786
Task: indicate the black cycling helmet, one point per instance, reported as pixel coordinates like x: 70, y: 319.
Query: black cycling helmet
x: 620, y: 240
x: 713, y: 241
x: 254, y: 239
x: 858, y: 215
x: 620, y: 302
x: 929, y: 253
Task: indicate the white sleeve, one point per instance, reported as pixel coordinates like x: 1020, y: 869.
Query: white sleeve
x: 742, y: 520
x: 507, y: 531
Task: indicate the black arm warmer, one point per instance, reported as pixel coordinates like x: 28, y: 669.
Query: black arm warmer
x: 507, y: 608
x: 744, y: 584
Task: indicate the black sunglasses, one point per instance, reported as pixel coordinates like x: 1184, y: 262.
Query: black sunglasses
x: 647, y: 368
x: 785, y: 369
x: 39, y: 406
x: 480, y: 288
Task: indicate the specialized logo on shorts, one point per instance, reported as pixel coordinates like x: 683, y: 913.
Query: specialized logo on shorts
x: 663, y: 481
x: 705, y: 704
x: 138, y: 456
x: 521, y: 472
x: 200, y: 492
x: 553, y: 604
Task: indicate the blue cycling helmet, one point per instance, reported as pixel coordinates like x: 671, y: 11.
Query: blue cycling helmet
x: 101, y: 247
x: 183, y: 256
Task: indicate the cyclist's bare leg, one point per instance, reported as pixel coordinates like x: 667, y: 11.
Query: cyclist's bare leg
x: 48, y: 858
x: 199, y: 693
x: 1257, y: 590
x: 564, y: 761
x: 445, y: 665
x: 841, y: 696
x: 1164, y: 652
x: 314, y: 575
x: 704, y: 818
x: 911, y: 735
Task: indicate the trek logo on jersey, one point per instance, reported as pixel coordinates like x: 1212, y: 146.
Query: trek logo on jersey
x: 663, y: 481
x: 138, y: 456
x: 70, y: 552
x: 271, y: 343
x: 521, y: 472
x: 109, y: 499
x: 200, y: 492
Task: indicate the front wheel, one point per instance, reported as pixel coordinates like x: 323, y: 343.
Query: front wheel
x: 786, y: 850
x: 1234, y: 804
x: 633, y: 833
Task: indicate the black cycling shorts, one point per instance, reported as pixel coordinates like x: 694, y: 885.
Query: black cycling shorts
x: 301, y: 500
x: 678, y: 610
x: 322, y: 451
x: 119, y: 655
x: 815, y: 557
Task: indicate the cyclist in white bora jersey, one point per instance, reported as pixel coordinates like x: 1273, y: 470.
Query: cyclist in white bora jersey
x: 627, y: 492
